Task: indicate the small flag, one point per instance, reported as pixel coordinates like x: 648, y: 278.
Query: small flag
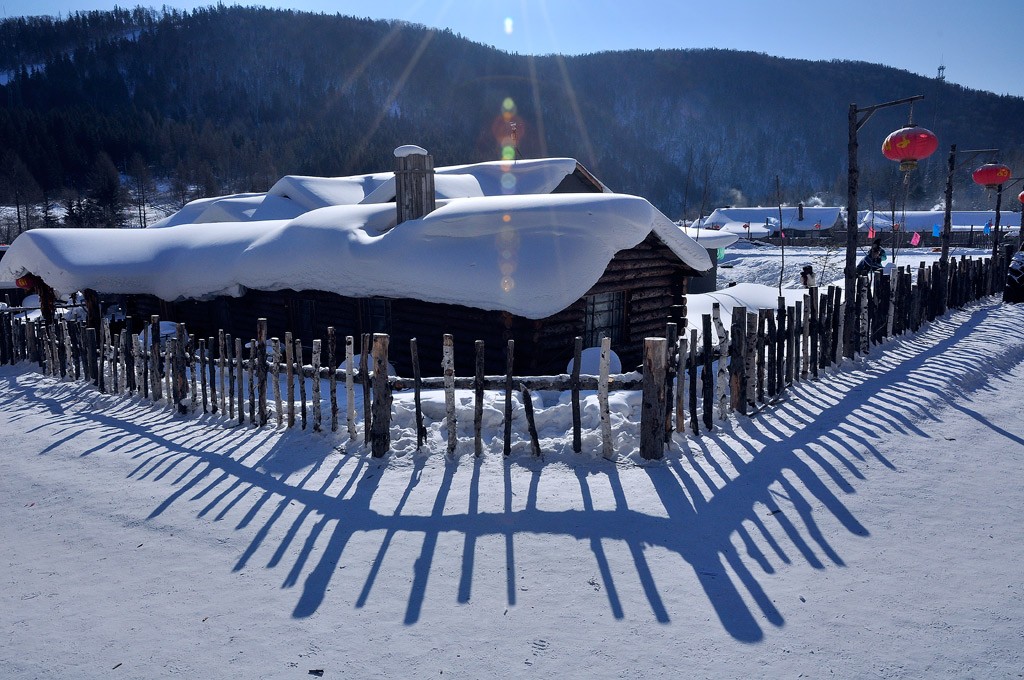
x: 720, y: 254
x: 935, y: 230
x: 871, y: 231
x: 915, y: 239
x: 782, y: 233
x: 817, y: 225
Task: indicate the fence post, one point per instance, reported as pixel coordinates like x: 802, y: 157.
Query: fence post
x: 692, y: 373
x: 530, y: 422
x: 332, y: 367
x: 478, y: 399
x: 421, y: 431
x: 509, y: 355
x: 722, y: 384
x: 275, y: 345
x: 448, y: 367
x: 364, y: 370
x: 381, y: 440
x: 707, y: 376
x: 240, y: 380
x: 261, y: 367
x: 671, y: 348
x: 289, y: 375
x: 317, y: 411
x: 607, y: 450
x: 577, y: 421
x: 652, y: 410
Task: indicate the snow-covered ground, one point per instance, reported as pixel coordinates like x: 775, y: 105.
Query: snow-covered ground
x: 867, y: 526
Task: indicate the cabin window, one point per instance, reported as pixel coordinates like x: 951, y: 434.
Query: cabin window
x: 605, y: 316
x: 376, y: 314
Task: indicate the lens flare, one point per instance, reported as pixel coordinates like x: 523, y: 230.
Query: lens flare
x: 506, y: 218
x: 509, y: 105
x: 508, y: 25
x: 507, y: 284
x: 508, y: 180
x: 507, y: 153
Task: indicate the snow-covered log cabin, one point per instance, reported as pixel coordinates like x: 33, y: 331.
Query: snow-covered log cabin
x: 538, y: 251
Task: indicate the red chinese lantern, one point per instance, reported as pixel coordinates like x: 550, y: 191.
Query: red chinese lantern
x: 991, y: 175
x: 26, y: 282
x: 909, y: 145
x: 1020, y: 197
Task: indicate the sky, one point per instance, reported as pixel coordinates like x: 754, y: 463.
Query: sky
x: 974, y: 40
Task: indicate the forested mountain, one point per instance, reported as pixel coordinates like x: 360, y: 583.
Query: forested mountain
x: 228, y: 99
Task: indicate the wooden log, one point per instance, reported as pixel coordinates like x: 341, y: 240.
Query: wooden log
x: 795, y: 325
x: 317, y: 412
x: 771, y: 386
x: 692, y: 371
x: 607, y: 450
x: 577, y: 421
x: 448, y: 367
x: 781, y: 332
x: 349, y: 385
x: 509, y: 357
x: 239, y: 381
x: 671, y: 349
x: 813, y: 331
x: 652, y: 408
x: 737, y: 360
x: 863, y: 332
x: 140, y: 364
x: 253, y: 396
x: 332, y: 364
x: 750, y: 361
x: 202, y: 374
x: 478, y: 400
x: 530, y: 422
x: 302, y: 382
x: 261, y: 368
x: 421, y: 430
x: 381, y: 436
x: 190, y: 357
x: 289, y: 376
x: 90, y: 351
x: 365, y: 384
x: 210, y: 344
x: 837, y: 324
x: 707, y: 375
x: 221, y: 356
x: 681, y: 358
x: 721, y: 349
x: 275, y: 376
x: 101, y: 357
x: 762, y: 343
x: 824, y: 330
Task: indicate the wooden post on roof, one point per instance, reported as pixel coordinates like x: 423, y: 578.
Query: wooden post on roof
x: 652, y: 409
x: 381, y: 440
x: 414, y: 183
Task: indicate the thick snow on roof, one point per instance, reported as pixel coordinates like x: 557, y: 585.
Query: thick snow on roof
x: 711, y: 238
x: 814, y: 218
x: 926, y: 220
x: 529, y: 255
x: 293, y: 195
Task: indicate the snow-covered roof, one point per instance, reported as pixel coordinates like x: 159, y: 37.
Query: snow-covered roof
x: 531, y: 255
x: 927, y: 220
x: 293, y: 195
x: 711, y: 238
x: 813, y: 218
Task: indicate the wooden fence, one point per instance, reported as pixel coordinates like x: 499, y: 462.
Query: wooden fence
x: 689, y: 379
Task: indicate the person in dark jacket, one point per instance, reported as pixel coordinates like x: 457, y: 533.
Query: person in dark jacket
x: 1014, y: 291
x: 872, y: 262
